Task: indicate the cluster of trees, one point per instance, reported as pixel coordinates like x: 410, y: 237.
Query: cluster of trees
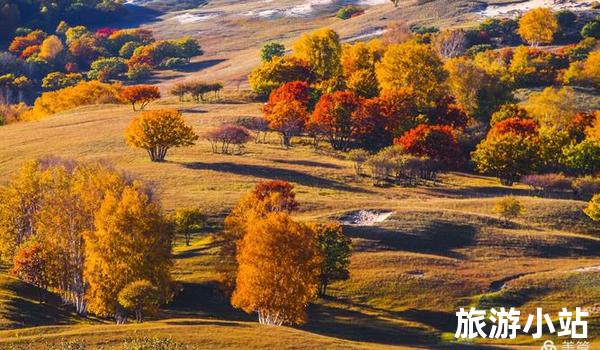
x: 17, y: 15
x: 437, y: 101
x: 195, y: 89
x: 89, y: 233
x: 273, y: 265
x: 37, y: 61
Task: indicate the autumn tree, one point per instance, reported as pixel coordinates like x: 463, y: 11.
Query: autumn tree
x: 438, y: 142
x: 508, y: 156
x: 105, y: 69
x: 28, y: 264
x: 334, y: 117
x: 358, y: 64
x: 526, y: 127
x: 130, y: 242
x: 286, y: 111
x: 228, y: 138
x: 142, y: 94
x: 451, y: 43
x: 322, y: 50
x: 278, y: 71
x: 593, y: 208
x: 188, y: 221
x: 279, y: 267
x: 479, y: 92
x: 335, y: 249
x: 140, y: 297
x: 50, y: 48
x: 538, y: 26
x: 158, y: 131
x: 583, y: 157
x: 414, y: 66
x: 266, y: 197
x: 553, y: 108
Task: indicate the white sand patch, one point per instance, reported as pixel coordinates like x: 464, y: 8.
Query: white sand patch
x: 194, y: 18
x: 588, y: 269
x: 305, y: 9
x: 366, y: 217
x: 367, y: 35
x: 515, y: 9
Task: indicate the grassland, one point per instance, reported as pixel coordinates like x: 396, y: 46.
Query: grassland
x: 443, y: 247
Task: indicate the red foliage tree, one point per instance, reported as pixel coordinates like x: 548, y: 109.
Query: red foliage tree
x: 373, y: 129
x: 281, y: 194
x: 525, y: 127
x: 20, y: 43
x: 448, y: 112
x: 287, y: 109
x: 335, y: 116
x: 142, y: 94
x: 399, y: 107
x: 28, y: 264
x: 297, y: 90
x: 438, y: 142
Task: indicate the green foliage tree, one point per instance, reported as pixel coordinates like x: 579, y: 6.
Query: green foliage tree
x: 584, y: 157
x: 188, y: 221
x: 508, y: 156
x: 270, y: 50
x: 335, y: 249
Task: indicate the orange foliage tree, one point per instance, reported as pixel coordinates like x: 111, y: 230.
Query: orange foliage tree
x: 286, y: 111
x: 266, y: 197
x: 142, y: 94
x: 158, y: 131
x: 279, y: 267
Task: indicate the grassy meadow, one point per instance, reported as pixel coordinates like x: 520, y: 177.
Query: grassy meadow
x: 441, y: 249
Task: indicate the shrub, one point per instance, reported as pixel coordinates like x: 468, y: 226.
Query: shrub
x: 548, y: 182
x: 593, y: 209
x: 174, y: 62
x: 154, y: 344
x: 84, y: 93
x: 349, y: 11
x: 224, y: 137
x: 358, y: 157
x: 258, y: 125
x: 585, y: 187
x: 509, y: 208
x: 591, y: 30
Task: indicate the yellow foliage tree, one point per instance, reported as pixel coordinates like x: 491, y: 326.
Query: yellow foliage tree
x: 358, y: 63
x: 279, y: 267
x: 553, y: 108
x: 322, y: 50
x: 266, y: 197
x: 51, y: 47
x: 158, y: 131
x: 538, y: 26
x: 131, y: 241
x: 84, y: 93
x: 414, y: 66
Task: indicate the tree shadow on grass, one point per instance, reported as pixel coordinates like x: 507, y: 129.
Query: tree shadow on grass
x: 308, y: 163
x: 205, y: 300
x: 26, y: 309
x: 268, y: 172
x: 372, y: 328
x: 199, y: 65
x: 436, y: 237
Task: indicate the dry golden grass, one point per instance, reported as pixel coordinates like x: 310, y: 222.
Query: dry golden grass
x: 442, y: 249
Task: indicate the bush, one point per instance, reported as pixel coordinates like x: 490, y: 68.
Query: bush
x: 84, y: 93
x: 222, y: 138
x: 591, y: 30
x: 586, y: 187
x: 349, y: 11
x: 548, y: 182
x: 358, y: 157
x: 593, y: 209
x: 173, y: 62
x: 154, y: 344
x: 258, y: 125
x: 509, y: 208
